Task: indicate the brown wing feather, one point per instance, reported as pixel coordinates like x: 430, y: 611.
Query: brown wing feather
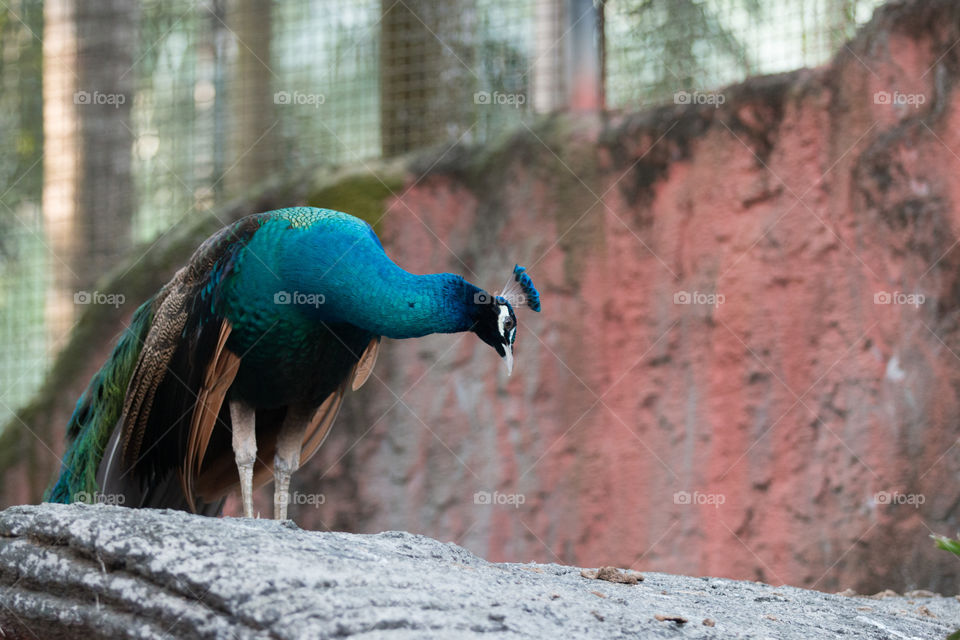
x: 320, y: 423
x: 174, y: 302
x: 327, y: 412
x: 365, y: 365
x: 173, y: 307
x: 219, y: 375
x: 220, y: 476
x: 152, y: 366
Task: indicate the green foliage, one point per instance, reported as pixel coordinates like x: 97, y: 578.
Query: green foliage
x: 363, y: 194
x: 947, y: 544
x: 655, y: 48
x: 953, y: 546
x: 684, y: 44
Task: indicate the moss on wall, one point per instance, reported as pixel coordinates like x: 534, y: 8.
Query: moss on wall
x: 360, y: 192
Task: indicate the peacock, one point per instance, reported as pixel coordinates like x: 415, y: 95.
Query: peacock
x: 235, y: 370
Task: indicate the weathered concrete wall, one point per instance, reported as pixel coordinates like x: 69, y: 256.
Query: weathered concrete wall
x: 798, y: 402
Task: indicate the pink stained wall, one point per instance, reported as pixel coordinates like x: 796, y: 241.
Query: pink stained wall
x: 798, y: 404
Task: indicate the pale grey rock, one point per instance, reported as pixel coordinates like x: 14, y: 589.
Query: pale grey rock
x: 89, y: 572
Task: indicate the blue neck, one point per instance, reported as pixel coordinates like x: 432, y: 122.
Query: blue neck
x: 361, y: 285
x: 405, y: 305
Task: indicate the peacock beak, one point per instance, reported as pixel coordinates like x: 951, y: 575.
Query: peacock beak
x: 508, y: 357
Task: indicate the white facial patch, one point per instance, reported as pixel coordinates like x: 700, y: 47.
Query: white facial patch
x: 502, y: 317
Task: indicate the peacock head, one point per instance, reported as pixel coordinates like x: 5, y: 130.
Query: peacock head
x: 496, y: 321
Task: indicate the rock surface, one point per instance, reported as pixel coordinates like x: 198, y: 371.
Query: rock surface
x: 109, y: 572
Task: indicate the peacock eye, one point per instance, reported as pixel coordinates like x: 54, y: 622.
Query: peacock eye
x: 508, y: 325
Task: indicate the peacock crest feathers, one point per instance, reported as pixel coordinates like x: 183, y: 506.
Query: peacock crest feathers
x: 520, y: 289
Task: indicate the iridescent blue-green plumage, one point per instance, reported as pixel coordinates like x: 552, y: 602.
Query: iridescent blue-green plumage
x: 296, y: 296
x: 339, y: 258
x: 97, y: 410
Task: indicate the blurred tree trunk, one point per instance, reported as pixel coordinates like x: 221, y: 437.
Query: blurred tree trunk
x: 548, y: 81
x: 221, y: 39
x: 583, y: 42
x: 60, y: 159
x: 88, y: 200
x: 106, y: 51
x: 252, y: 148
x: 426, y: 65
x: 568, y: 67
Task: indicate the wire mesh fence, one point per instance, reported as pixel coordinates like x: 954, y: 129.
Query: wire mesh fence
x: 121, y: 119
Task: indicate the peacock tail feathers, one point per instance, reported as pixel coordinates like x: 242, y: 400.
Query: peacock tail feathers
x: 102, y: 405
x: 96, y: 413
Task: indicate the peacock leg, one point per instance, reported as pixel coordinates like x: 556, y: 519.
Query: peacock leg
x: 287, y: 460
x: 243, y: 419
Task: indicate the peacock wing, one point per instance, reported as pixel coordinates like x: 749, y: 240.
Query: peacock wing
x: 219, y: 375
x: 325, y: 415
x: 219, y: 474
x: 366, y: 363
x: 179, y: 382
x: 161, y: 343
